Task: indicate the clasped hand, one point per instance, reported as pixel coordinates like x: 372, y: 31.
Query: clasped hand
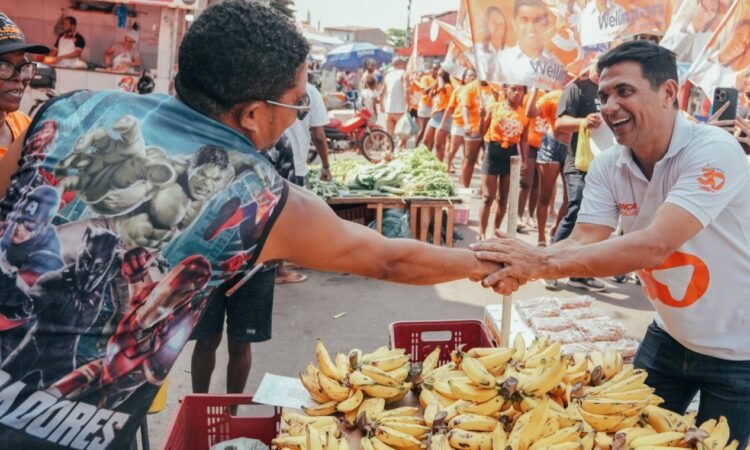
x: 519, y: 261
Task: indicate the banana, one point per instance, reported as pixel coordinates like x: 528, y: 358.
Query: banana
x: 663, y: 420
x: 350, y: 419
x: 380, y: 376
x: 351, y: 403
x: 553, y: 351
x: 602, y: 441
x: 600, y: 422
x: 496, y: 359
x: 386, y: 392
x: 659, y: 447
x: 587, y: 442
x: 326, y: 365
x: 355, y: 355
x: 439, y: 442
x: 331, y: 441
x: 324, y: 409
x: 401, y: 373
x: 412, y: 429
x: 405, y: 388
x: 431, y: 361
x: 655, y: 400
x: 312, y: 438
x: 380, y: 351
x: 641, y: 393
x: 709, y: 425
x: 396, y: 438
x: 474, y: 440
x: 634, y: 381
x: 404, y: 411
x: 534, y: 427
x: 565, y: 446
x: 499, y: 438
x: 451, y: 410
x: 567, y: 434
x: 633, y: 433
x: 342, y: 363
x: 473, y: 422
x: 465, y: 391
x: 313, y: 387
x: 519, y: 344
x: 377, y: 444
x: 358, y: 380
x: 443, y: 388
x: 670, y: 439
x: 290, y: 442
x: 719, y: 436
x: 488, y: 408
x: 343, y: 443
x: 291, y: 418
x: 477, y: 372
x: 546, y: 378
x: 426, y: 397
x: 333, y: 388
x: 389, y: 363
x: 430, y: 412
x: 366, y: 444
x: 371, y: 407
x: 606, y: 406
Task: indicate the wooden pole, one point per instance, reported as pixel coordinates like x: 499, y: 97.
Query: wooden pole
x: 515, y: 182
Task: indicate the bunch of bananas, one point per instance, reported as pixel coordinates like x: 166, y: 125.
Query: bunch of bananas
x: 342, y: 384
x: 301, y: 432
x: 400, y: 428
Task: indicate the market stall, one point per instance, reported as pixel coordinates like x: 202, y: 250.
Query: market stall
x: 157, y: 24
x: 411, y: 196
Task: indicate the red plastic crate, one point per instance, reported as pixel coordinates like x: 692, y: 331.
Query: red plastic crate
x: 203, y: 420
x: 420, y: 338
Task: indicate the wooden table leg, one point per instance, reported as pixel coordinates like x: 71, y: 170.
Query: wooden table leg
x: 379, y: 218
x: 437, y: 230
x: 424, y: 226
x: 449, y: 227
x: 413, y: 211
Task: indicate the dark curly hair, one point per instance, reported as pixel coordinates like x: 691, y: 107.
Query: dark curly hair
x: 237, y: 51
x: 208, y: 154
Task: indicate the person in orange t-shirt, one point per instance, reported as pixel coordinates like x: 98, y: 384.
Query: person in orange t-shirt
x: 441, y: 93
x: 473, y: 101
x: 454, y: 117
x: 16, y: 72
x: 507, y: 135
x: 529, y: 192
x: 424, y: 110
x: 549, y: 162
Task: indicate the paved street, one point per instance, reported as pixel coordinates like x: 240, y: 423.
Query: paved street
x: 305, y: 311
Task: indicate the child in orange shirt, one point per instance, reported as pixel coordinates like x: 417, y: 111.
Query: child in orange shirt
x: 454, y: 117
x: 507, y: 135
x: 441, y: 93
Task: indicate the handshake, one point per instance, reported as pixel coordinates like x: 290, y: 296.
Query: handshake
x: 520, y: 262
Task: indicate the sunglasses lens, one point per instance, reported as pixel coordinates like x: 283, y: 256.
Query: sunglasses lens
x: 6, y: 70
x: 27, y: 71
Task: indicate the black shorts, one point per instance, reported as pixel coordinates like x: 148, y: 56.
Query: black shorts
x: 413, y: 113
x: 248, y: 311
x: 497, y: 159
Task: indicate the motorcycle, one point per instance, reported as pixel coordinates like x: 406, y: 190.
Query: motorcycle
x: 357, y: 134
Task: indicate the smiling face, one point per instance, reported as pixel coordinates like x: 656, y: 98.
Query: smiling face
x: 531, y: 22
x: 11, y: 91
x: 637, y: 113
x: 496, y: 26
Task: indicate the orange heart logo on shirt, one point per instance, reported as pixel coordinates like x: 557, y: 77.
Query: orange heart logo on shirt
x: 697, y: 286
x: 712, y: 180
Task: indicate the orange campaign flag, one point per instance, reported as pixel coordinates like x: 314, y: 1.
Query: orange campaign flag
x: 726, y: 57
x: 692, y: 25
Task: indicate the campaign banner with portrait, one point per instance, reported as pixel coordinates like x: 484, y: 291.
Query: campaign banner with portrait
x: 514, y: 43
x: 726, y: 57
x: 603, y: 21
x: 691, y: 27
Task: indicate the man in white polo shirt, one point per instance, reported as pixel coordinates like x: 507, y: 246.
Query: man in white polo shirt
x: 681, y: 192
x: 601, y: 21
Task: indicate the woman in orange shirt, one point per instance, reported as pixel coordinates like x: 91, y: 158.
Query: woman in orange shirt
x: 549, y: 162
x: 472, y: 103
x: 441, y: 94
x: 454, y: 115
x: 529, y: 192
x: 507, y: 135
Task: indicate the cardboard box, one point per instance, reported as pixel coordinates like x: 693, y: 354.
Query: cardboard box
x: 493, y: 317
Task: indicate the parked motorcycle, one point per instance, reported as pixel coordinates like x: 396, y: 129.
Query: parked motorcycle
x: 357, y: 133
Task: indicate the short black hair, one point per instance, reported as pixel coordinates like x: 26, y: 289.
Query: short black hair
x: 237, y: 51
x: 533, y: 3
x: 658, y: 64
x: 209, y: 154
x: 72, y: 20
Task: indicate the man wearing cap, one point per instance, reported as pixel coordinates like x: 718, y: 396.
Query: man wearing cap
x: 16, y: 71
x: 123, y: 56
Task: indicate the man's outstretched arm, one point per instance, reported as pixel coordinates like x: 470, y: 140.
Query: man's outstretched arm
x: 309, y: 233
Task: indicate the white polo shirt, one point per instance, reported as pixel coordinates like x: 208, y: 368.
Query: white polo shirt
x: 545, y: 72
x: 700, y: 292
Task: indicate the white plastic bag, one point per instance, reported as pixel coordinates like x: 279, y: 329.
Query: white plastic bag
x: 406, y: 127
